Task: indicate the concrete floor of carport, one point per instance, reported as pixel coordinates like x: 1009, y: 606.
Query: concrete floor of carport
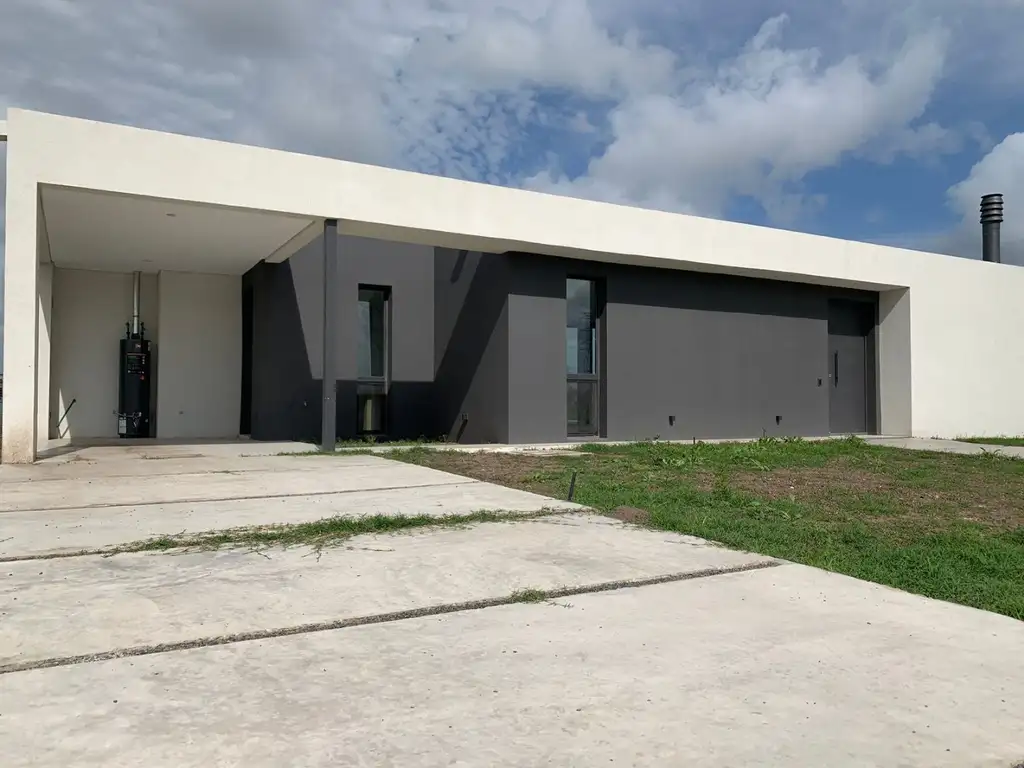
x: 782, y: 665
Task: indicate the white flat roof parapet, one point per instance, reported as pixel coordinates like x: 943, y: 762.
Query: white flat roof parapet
x: 3, y: 130
x: 391, y: 204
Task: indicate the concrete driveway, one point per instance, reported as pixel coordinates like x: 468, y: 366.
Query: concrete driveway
x: 565, y: 639
x: 102, y: 497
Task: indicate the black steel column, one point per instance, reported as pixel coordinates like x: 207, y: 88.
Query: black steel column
x: 328, y: 424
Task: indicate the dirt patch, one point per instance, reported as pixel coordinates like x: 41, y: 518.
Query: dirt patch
x: 976, y: 498
x: 631, y: 515
x: 703, y: 480
x: 923, y: 493
x: 810, y: 483
x: 531, y: 472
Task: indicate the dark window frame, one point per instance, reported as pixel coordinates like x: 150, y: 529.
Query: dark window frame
x: 376, y: 386
x: 594, y: 378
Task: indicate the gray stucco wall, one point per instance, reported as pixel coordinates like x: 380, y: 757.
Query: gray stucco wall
x: 286, y: 364
x: 482, y: 336
x: 537, y: 402
x: 726, y: 356
x: 471, y: 345
x: 287, y: 332
x: 408, y: 270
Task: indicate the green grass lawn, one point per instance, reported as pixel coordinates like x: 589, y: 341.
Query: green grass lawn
x: 1011, y: 441
x: 942, y: 525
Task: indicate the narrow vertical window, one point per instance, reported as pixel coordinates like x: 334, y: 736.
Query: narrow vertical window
x: 372, y: 362
x: 582, y: 380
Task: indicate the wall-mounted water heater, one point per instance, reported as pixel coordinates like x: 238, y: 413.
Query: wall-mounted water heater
x: 134, y: 380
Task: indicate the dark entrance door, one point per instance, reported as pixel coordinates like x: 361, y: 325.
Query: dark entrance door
x: 849, y: 325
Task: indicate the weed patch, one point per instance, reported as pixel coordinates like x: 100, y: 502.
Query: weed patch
x: 318, y: 534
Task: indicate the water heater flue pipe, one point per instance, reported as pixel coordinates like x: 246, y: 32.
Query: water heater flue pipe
x: 136, y: 298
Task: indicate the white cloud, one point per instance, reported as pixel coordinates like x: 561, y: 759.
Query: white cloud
x: 759, y: 123
x: 454, y: 86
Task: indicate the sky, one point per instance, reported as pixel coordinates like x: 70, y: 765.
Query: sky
x: 876, y: 120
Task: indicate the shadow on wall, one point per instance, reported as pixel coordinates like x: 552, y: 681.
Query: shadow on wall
x: 471, y: 345
x: 285, y: 397
x: 411, y: 411
x: 461, y: 309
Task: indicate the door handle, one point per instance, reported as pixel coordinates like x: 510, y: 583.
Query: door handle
x: 835, y: 368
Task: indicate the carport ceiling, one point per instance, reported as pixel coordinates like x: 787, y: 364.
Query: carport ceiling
x: 87, y: 229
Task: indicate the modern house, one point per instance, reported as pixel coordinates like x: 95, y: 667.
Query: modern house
x: 179, y: 288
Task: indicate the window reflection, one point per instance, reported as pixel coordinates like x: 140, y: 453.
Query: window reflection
x: 372, y: 333
x: 581, y: 357
x: 372, y: 361
x: 581, y: 327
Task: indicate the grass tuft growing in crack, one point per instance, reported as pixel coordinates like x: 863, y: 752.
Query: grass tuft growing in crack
x: 528, y: 596
x: 318, y: 534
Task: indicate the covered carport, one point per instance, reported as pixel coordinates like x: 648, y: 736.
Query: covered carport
x: 92, y: 205
x: 108, y: 259
x: 105, y: 237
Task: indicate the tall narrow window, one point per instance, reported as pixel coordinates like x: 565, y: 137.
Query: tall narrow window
x: 372, y: 362
x: 582, y: 380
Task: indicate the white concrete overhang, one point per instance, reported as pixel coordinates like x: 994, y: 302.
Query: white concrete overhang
x: 107, y: 190
x: 90, y: 229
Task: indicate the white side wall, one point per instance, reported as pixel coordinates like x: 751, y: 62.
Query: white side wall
x: 199, y: 376
x: 88, y: 317
x: 965, y: 355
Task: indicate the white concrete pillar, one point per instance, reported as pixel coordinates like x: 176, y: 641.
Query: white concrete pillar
x: 21, y: 310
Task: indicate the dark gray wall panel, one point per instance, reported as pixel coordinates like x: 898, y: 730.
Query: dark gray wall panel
x: 537, y: 315
x: 726, y: 356
x: 287, y: 332
x: 286, y: 392
x: 483, y: 335
x: 471, y: 345
x: 408, y: 270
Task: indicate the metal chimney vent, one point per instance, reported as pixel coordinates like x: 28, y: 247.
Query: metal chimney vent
x: 991, y: 219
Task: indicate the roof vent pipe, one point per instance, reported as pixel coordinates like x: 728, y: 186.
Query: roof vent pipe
x: 136, y: 290
x: 991, y: 219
